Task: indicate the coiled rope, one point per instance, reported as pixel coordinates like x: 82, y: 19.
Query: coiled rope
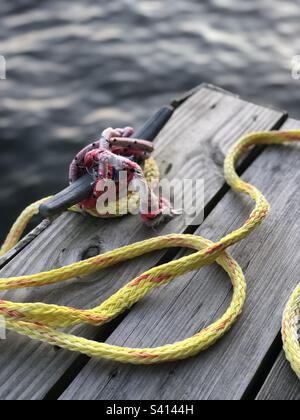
x: 42, y: 322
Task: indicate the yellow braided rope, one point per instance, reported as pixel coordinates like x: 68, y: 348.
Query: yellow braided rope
x: 42, y: 321
x: 290, y: 335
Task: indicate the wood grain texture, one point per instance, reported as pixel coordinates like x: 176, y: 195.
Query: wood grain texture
x: 24, y: 242
x: 193, y: 144
x: 269, y: 258
x: 282, y: 384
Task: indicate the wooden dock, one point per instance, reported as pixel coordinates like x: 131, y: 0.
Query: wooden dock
x: 248, y: 362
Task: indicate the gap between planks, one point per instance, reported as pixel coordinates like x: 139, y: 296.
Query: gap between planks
x: 227, y: 370
x: 213, y: 120
x: 281, y: 383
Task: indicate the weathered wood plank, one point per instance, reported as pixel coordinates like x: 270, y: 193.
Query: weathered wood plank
x: 269, y: 258
x: 23, y: 242
x: 282, y: 384
x: 207, y: 124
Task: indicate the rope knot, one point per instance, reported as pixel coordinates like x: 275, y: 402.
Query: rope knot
x: 123, y: 174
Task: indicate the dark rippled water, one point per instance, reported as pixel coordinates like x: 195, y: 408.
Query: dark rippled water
x: 74, y: 67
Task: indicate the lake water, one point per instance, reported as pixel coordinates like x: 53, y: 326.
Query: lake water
x: 75, y: 67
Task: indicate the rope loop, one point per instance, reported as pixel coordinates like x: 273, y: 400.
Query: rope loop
x: 43, y: 322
